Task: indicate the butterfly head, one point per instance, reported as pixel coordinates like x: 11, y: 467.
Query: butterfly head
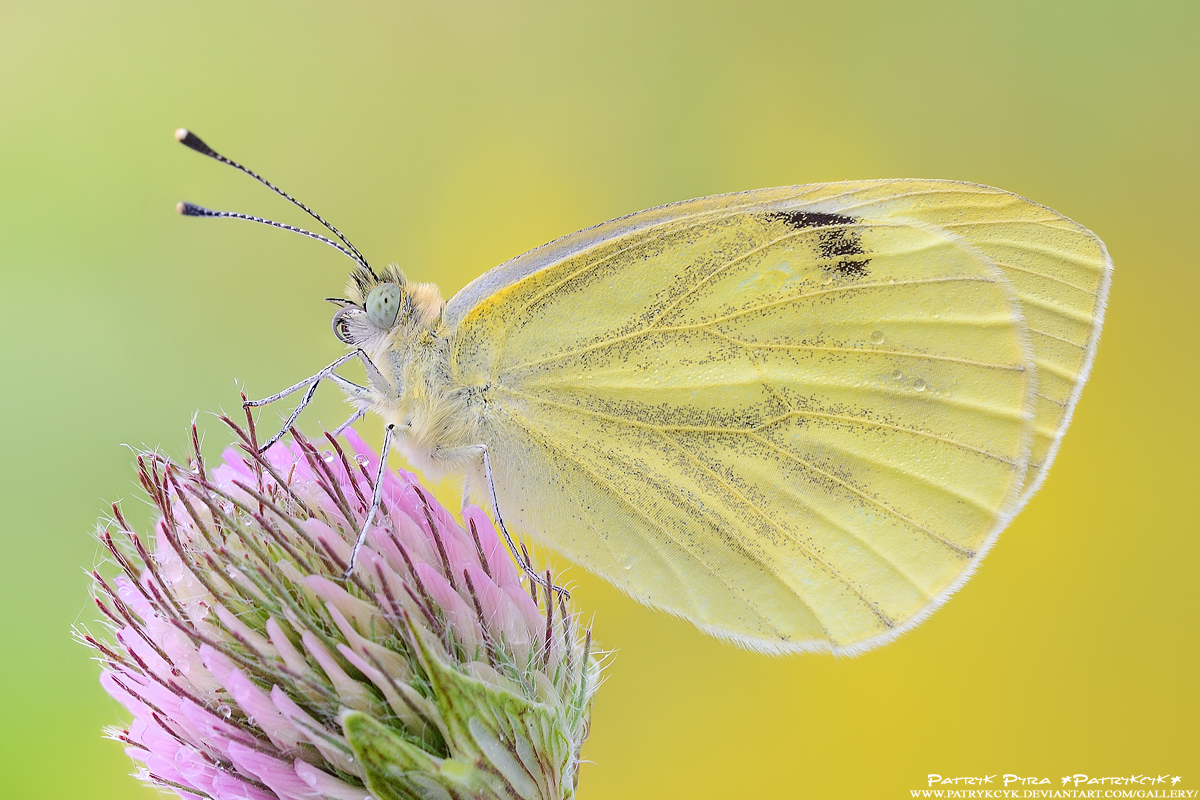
x: 380, y: 306
x: 373, y: 307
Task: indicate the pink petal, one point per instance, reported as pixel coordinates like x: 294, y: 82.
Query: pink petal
x: 135, y: 644
x: 503, y: 570
x: 365, y: 616
x: 279, y: 775
x: 261, y: 645
x: 502, y: 615
x: 132, y: 596
x: 252, y: 700
x: 227, y: 787
x: 416, y: 541
x: 313, y: 730
x: 396, y: 666
x: 454, y: 609
x: 530, y: 613
x: 326, y: 785
x: 349, y: 691
x: 333, y: 540
x: 287, y: 651
x: 209, y: 728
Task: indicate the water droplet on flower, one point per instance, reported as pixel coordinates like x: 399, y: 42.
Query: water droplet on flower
x: 828, y: 279
x: 171, y: 568
x: 188, y: 763
x: 328, y: 456
x: 897, y: 375
x: 920, y: 385
x: 362, y: 460
x: 877, y: 337
x: 224, y: 710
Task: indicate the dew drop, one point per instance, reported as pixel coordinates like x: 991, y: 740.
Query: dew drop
x: 362, y: 460
x: 224, y: 710
x: 188, y: 762
x: 877, y: 337
x: 171, y: 568
x: 920, y: 385
x: 897, y: 375
x: 328, y: 456
x: 828, y: 279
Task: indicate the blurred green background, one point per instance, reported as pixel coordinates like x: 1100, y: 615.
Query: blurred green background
x: 449, y: 137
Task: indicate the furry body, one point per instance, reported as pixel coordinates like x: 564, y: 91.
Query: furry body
x: 436, y: 425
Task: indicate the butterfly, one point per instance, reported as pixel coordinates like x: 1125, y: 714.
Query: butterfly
x: 798, y: 417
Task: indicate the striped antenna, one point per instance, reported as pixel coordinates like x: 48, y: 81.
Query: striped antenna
x: 191, y: 140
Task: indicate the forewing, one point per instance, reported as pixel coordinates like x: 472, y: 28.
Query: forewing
x: 1059, y: 271
x: 795, y: 427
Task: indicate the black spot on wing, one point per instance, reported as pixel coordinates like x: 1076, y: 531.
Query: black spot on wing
x: 810, y: 219
x: 841, y: 244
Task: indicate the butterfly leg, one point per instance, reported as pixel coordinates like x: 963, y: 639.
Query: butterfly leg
x: 361, y: 393
x: 376, y: 499
x: 355, y: 417
x: 521, y: 555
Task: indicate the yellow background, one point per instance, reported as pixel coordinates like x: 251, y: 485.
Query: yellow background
x: 452, y: 136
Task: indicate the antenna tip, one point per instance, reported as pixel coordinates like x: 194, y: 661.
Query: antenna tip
x: 193, y: 210
x: 189, y: 139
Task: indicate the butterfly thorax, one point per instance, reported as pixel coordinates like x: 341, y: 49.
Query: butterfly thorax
x: 415, y: 392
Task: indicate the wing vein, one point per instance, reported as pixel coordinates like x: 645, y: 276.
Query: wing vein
x: 1050, y: 399
x: 622, y: 497
x: 1035, y: 273
x: 731, y: 262
x: 854, y: 490
x: 578, y: 351
x: 713, y: 429
x: 832, y: 570
x: 1048, y: 335
x: 868, y: 350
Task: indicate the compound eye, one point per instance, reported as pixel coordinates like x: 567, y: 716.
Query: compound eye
x: 341, y: 325
x: 383, y: 304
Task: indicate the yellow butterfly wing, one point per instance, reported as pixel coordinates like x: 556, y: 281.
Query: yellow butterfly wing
x: 795, y: 423
x: 1059, y: 271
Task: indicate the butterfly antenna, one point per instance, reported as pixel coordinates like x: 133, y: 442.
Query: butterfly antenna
x: 193, y: 210
x: 191, y: 140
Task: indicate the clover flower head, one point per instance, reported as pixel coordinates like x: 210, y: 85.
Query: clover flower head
x: 252, y: 671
